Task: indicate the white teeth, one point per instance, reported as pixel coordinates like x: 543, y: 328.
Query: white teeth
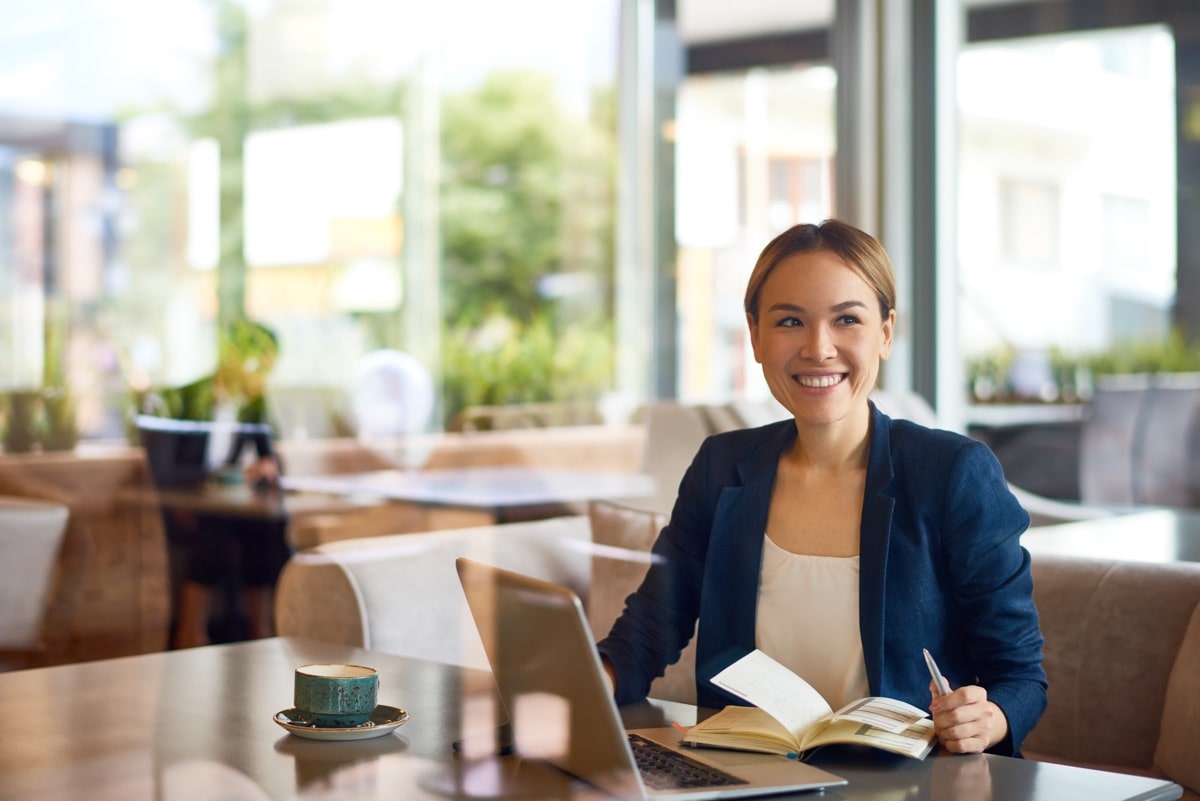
x: 818, y: 382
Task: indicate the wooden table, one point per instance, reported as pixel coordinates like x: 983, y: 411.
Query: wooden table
x: 240, y: 500
x: 1156, y: 535
x: 197, y: 723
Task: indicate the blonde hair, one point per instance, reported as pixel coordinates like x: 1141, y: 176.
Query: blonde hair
x: 858, y: 249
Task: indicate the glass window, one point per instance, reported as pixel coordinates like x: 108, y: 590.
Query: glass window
x: 356, y: 175
x: 1066, y: 192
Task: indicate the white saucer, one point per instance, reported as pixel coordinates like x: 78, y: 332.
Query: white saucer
x: 384, y: 720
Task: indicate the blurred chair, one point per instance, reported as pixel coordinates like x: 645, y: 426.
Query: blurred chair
x: 673, y: 433
x: 1111, y: 429
x: 1166, y: 453
x: 45, y: 558
x: 1140, y: 441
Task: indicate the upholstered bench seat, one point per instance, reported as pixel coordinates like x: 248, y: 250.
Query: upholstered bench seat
x: 1122, y: 656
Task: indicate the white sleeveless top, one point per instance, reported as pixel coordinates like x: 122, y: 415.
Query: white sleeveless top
x: 808, y: 620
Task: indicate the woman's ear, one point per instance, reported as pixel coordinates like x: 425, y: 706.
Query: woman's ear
x: 889, y: 332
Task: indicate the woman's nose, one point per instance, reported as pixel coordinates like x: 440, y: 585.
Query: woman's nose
x: 818, y: 346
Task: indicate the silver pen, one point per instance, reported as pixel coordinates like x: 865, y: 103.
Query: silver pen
x: 939, y: 681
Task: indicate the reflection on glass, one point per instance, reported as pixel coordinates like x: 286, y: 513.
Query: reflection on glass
x: 322, y: 768
x: 199, y: 780
x: 963, y: 778
x: 542, y: 722
x: 359, y: 175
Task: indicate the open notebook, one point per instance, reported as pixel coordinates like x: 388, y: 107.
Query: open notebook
x: 550, y: 679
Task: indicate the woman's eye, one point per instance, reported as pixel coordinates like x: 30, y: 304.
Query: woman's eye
x: 848, y: 319
x: 787, y: 322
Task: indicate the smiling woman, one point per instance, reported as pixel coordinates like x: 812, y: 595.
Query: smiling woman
x: 788, y: 538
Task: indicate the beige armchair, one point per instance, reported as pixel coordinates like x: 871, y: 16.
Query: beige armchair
x: 41, y: 573
x: 400, y: 593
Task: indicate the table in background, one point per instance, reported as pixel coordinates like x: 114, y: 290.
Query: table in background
x: 1157, y: 535
x: 237, y: 499
x: 197, y: 723
x: 505, y: 493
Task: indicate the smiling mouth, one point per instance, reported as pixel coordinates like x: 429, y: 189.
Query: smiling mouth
x: 819, y: 381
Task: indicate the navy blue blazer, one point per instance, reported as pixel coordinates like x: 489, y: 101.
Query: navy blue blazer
x: 940, y: 567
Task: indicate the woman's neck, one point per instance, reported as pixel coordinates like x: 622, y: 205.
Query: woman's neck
x: 840, y: 445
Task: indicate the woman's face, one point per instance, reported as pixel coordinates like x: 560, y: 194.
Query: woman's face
x: 820, y: 337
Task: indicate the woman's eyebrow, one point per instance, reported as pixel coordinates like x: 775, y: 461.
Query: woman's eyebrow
x: 837, y: 307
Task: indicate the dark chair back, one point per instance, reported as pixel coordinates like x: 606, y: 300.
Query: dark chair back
x: 178, y: 451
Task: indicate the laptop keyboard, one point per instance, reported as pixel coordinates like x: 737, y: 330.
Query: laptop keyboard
x: 665, y: 769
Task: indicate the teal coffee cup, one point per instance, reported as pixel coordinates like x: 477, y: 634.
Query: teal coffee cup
x: 336, y: 696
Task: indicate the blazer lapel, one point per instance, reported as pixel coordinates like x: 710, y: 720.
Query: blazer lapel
x: 730, y: 597
x: 873, y: 547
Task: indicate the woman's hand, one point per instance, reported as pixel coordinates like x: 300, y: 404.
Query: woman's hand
x: 610, y: 675
x: 262, y: 473
x: 966, y: 722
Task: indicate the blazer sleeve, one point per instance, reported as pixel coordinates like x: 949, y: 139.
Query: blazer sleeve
x: 660, y: 616
x: 992, y: 589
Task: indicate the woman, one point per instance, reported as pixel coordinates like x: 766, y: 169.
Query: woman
x: 842, y: 542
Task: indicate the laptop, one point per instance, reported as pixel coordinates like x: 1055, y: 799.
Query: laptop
x: 554, y: 691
